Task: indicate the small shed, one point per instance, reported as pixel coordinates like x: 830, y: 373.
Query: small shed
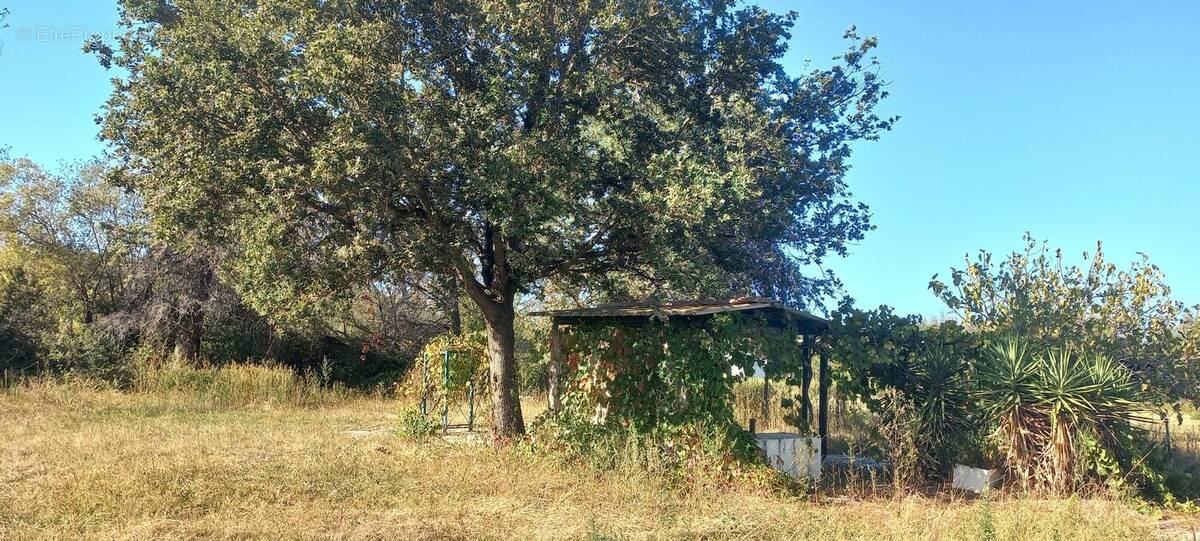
x: 773, y: 313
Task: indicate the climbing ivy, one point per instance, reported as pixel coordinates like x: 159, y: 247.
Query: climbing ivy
x: 468, y: 364
x: 667, y: 374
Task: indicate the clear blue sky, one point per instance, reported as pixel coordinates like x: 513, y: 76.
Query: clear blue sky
x: 1076, y: 121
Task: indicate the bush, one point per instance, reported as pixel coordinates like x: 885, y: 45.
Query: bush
x: 415, y: 425
x: 352, y: 362
x: 659, y: 397
x: 938, y: 390
x: 18, y: 351
x: 84, y: 351
x: 22, y: 322
x: 468, y: 367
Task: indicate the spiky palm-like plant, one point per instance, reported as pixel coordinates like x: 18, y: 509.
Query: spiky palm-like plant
x: 1066, y: 393
x: 938, y: 384
x: 1007, y: 380
x: 1042, y: 403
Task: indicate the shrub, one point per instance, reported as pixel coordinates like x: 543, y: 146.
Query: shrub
x: 468, y: 366
x: 84, y: 351
x: 415, y: 425
x: 655, y: 376
x: 659, y: 397
x: 938, y: 388
x: 22, y: 321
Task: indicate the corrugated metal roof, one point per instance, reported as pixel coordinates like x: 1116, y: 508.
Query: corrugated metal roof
x: 690, y: 308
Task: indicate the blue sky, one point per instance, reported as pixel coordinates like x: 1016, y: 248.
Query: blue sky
x: 1076, y: 121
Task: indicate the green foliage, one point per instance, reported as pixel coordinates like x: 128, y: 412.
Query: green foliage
x: 533, y: 354
x: 83, y: 350
x: 877, y: 353
x: 415, y: 425
x: 1179, y: 483
x: 468, y: 360
x: 1125, y: 315
x: 71, y: 226
x: 22, y: 321
x: 664, y: 373
x: 468, y: 370
x: 939, y: 386
x: 874, y: 350
x: 663, y: 389
x: 986, y: 520
x: 1059, y: 418
x: 82, y: 279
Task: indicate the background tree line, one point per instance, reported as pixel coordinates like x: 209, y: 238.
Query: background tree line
x: 85, y: 285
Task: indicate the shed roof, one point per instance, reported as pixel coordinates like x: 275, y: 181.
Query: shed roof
x: 774, y: 310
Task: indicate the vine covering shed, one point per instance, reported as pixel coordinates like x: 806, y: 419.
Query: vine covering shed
x: 803, y: 328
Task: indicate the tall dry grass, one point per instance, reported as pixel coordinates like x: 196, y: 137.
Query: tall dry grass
x: 237, y: 385
x: 748, y: 404
x: 95, y: 463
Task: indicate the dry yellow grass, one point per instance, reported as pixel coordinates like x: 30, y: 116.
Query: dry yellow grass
x: 78, y: 463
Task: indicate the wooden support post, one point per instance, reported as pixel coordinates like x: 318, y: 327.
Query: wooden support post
x: 556, y: 368
x: 471, y: 406
x: 766, y: 409
x: 805, y: 383
x: 424, y: 384
x: 823, y: 401
x: 445, y: 391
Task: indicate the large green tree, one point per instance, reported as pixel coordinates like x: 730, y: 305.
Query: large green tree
x: 501, y: 143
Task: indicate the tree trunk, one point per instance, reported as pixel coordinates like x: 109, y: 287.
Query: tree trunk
x: 187, y: 343
x: 89, y: 315
x: 506, y: 400
x: 454, y: 316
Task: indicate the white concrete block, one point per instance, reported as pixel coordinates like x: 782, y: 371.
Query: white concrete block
x: 793, y: 454
x: 975, y: 480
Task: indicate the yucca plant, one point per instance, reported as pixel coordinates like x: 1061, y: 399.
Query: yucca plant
x: 1042, y: 403
x: 939, y: 387
x: 1007, y: 378
x: 1068, y: 394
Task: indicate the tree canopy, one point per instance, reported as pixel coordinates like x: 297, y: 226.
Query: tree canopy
x: 504, y: 144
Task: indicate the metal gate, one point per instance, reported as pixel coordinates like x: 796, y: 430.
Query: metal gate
x: 451, y: 398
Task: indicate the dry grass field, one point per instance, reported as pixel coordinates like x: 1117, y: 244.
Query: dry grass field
x: 77, y: 462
